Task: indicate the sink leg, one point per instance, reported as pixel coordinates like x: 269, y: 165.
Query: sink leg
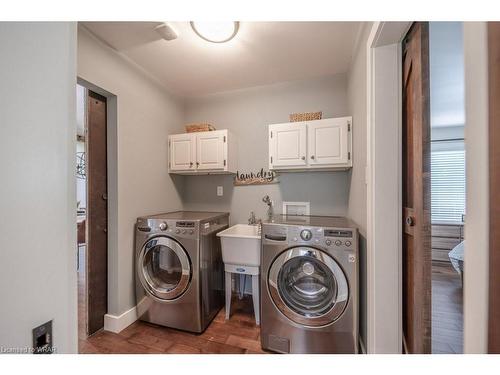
x: 255, y: 297
x: 228, y: 294
x: 241, y: 288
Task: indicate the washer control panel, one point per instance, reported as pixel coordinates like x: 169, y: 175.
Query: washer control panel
x: 335, y: 239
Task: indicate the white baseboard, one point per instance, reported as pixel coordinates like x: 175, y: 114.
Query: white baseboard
x: 117, y: 323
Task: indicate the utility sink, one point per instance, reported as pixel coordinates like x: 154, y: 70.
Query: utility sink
x: 241, y: 245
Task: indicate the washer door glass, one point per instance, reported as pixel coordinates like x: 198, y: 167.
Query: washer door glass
x: 308, y: 286
x: 164, y: 268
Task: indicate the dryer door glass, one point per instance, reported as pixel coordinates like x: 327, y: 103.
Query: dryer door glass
x: 165, y: 268
x: 308, y: 286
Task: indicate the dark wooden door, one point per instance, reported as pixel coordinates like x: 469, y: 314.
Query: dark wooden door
x: 416, y: 191
x: 97, y: 212
x: 494, y: 171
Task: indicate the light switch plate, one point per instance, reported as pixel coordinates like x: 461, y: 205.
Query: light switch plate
x: 220, y: 191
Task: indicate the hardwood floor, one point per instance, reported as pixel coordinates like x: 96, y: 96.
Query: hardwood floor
x: 82, y: 303
x: 238, y: 335
x: 447, y: 310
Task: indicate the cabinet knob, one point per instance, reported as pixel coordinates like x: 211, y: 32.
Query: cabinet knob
x: 190, y: 164
x: 303, y: 158
x: 197, y: 164
x: 312, y: 157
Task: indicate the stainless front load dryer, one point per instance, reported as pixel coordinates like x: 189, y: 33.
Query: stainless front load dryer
x: 309, y: 285
x: 179, y: 269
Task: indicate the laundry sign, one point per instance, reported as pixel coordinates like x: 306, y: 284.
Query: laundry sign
x: 261, y: 177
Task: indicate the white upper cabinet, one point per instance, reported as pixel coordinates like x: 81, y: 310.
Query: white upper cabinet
x: 288, y: 145
x: 328, y: 142
x: 202, y: 153
x: 182, y: 152
x: 210, y: 150
x: 319, y: 144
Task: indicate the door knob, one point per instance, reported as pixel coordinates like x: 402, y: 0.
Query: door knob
x: 410, y: 221
x: 105, y: 196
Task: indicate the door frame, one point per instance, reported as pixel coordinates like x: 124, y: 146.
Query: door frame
x: 384, y: 187
x: 112, y: 176
x: 384, y: 234
x: 494, y: 180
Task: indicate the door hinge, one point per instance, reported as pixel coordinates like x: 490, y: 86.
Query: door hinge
x: 348, y: 126
x: 224, y: 139
x: 271, y: 160
x: 224, y: 162
x: 348, y: 156
x: 271, y: 134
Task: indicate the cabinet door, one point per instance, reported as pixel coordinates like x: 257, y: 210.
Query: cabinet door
x: 287, y: 145
x: 182, y: 152
x: 328, y: 142
x: 210, y: 150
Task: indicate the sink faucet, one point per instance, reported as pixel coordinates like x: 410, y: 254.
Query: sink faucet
x: 252, y: 220
x: 269, y: 203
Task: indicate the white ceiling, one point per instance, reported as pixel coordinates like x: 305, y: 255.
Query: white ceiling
x: 261, y: 53
x: 446, y: 74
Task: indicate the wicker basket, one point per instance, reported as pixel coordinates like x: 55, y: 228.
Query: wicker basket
x: 202, y: 127
x: 306, y: 116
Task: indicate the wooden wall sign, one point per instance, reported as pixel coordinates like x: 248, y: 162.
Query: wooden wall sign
x: 260, y: 178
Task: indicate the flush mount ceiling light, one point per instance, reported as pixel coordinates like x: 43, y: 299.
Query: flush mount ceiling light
x: 216, y: 32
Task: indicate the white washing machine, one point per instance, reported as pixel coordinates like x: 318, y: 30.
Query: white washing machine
x: 309, y: 285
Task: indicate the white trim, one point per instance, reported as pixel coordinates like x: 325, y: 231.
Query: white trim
x: 476, y: 283
x: 383, y: 210
x: 116, y: 324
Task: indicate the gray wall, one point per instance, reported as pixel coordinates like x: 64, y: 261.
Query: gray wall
x: 357, y: 94
x: 138, y: 180
x: 37, y: 189
x: 247, y: 113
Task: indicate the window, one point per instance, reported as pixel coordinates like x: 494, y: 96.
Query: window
x: 447, y: 181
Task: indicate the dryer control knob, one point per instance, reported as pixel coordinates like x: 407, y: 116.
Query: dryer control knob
x: 338, y: 243
x: 348, y: 243
x: 163, y: 226
x: 328, y: 242
x: 184, y: 231
x: 191, y: 231
x: 177, y: 231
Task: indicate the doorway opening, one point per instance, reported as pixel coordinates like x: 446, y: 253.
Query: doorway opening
x: 92, y: 210
x: 447, y: 121
x: 433, y: 166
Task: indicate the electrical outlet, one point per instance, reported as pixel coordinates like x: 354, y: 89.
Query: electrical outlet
x: 220, y: 191
x: 42, y: 339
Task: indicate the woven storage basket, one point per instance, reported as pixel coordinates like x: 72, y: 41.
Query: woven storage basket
x: 192, y: 128
x: 306, y: 116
